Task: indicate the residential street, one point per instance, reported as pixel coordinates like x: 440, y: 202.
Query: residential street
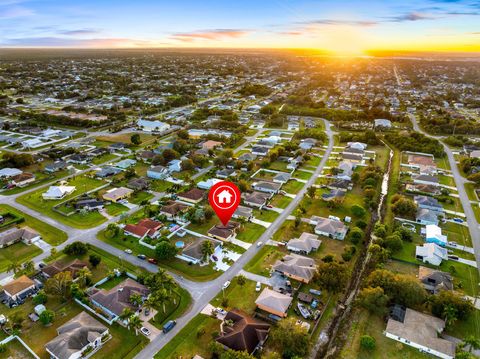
x: 460, y: 181
x: 211, y: 289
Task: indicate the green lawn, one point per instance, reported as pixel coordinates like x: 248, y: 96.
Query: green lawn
x: 263, y: 259
x: 139, y: 197
x: 173, y: 309
x: 41, y: 179
x: 280, y: 201
x: 18, y: 252
x: 250, y: 232
x: 278, y: 166
x: 114, y: 209
x: 50, y: 234
x: 35, y: 201
x: 15, y: 349
x: 470, y: 189
x: 192, y: 339
x: 239, y: 297
x: 105, y: 158
x: 302, y: 174
x: 265, y: 215
x: 160, y: 185
x: 293, y: 186
x: 313, y: 161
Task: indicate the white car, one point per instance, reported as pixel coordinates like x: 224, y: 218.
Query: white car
x: 259, y: 244
x: 145, y: 331
x: 128, y: 251
x: 258, y: 287
x: 226, y: 284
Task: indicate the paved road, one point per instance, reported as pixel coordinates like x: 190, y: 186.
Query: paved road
x: 462, y: 194
x: 211, y: 289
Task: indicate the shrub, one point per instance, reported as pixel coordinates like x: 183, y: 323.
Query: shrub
x: 367, y: 342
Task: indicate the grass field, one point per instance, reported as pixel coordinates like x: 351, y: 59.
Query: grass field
x: 250, y: 232
x: 293, y: 186
x: 264, y: 215
x: 280, y: 201
x: 263, y: 259
x: 50, y: 234
x: 35, y: 201
x: 173, y: 309
x: 18, y: 252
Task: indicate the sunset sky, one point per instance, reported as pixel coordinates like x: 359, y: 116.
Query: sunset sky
x: 341, y: 27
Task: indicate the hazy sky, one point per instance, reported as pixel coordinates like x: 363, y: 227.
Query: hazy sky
x: 347, y: 27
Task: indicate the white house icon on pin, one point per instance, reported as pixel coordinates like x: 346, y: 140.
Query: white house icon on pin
x: 224, y: 196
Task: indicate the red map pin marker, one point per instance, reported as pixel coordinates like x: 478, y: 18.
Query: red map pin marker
x: 224, y: 197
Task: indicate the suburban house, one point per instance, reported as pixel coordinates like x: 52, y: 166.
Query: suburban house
x: 329, y: 227
x: 58, y: 192
x: 334, y: 195
x: 243, y: 212
x: 293, y: 163
x: 306, y: 243
x: 193, y: 251
x: 194, y: 196
x: 267, y: 187
x: 126, y: 163
x: 9, y: 172
x: 260, y: 150
x: 352, y: 158
x: 158, y: 172
x: 357, y: 145
x: 433, y: 234
x: 14, y: 235
x: 153, y: 126
x: 247, y: 157
x: 428, y: 203
x: 246, y: 334
x: 206, y: 185
x: 146, y: 156
x: 426, y: 216
x: 117, y: 194
x: 19, y: 288
x: 90, y: 204
x: 274, y: 302
x: 296, y: 267
x: 431, y: 253
x: 420, y: 331
x: 425, y: 179
x: 75, y: 336
x: 174, y: 166
x: 434, y: 280
x: 281, y: 177
x: 107, y: 171
x: 210, y: 145
x: 138, y: 184
x: 340, y: 184
x: 382, y: 123
x: 115, y: 300
x: 143, y: 228
x: 58, y: 267
x: 222, y: 232
x: 255, y: 199
x: 22, y: 180
x: 422, y: 188
x: 172, y: 210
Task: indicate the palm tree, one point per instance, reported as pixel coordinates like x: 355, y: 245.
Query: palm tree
x: 14, y: 267
x: 472, y: 343
x: 207, y: 250
x: 135, y: 323
x: 150, y: 302
x: 161, y: 298
x: 170, y: 284
x: 83, y: 276
x: 29, y: 266
x: 136, y: 299
x: 450, y: 314
x: 126, y: 313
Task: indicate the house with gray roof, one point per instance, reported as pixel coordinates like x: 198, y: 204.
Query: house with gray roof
x: 306, y: 243
x: 428, y: 203
x: 75, y: 336
x: 266, y: 186
x: 329, y: 227
x: 14, y: 235
x: 296, y: 267
x: 426, y: 216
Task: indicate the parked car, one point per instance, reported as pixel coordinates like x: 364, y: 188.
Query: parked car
x: 152, y: 260
x: 145, y: 331
x: 214, y: 258
x: 147, y: 312
x: 258, y: 287
x: 453, y: 244
x: 458, y: 220
x: 453, y: 257
x: 226, y: 284
x: 221, y: 311
x: 41, y: 265
x: 269, y: 206
x: 128, y: 251
x: 142, y: 256
x: 259, y: 244
x: 169, y: 326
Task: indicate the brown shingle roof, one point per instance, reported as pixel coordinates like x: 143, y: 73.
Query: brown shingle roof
x: 18, y: 285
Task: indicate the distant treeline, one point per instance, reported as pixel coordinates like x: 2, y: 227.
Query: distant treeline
x: 415, y: 142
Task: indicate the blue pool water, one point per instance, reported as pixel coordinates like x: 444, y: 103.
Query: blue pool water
x: 180, y: 244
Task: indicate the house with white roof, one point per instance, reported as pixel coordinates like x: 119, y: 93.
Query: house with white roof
x: 431, y: 253
x: 153, y: 126
x: 433, y: 234
x: 58, y: 192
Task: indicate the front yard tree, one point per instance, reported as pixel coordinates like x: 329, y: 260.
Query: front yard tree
x: 292, y: 338
x: 84, y: 277
x: 207, y: 249
x: 136, y: 300
x: 311, y: 192
x: 135, y: 139
x: 165, y: 250
x: 161, y: 298
x: 94, y: 260
x: 76, y: 249
x: 135, y: 323
x: 241, y: 280
x: 59, y: 284
x: 46, y: 317
x: 471, y: 342
x: 367, y: 342
x: 14, y: 267
x: 403, y: 206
